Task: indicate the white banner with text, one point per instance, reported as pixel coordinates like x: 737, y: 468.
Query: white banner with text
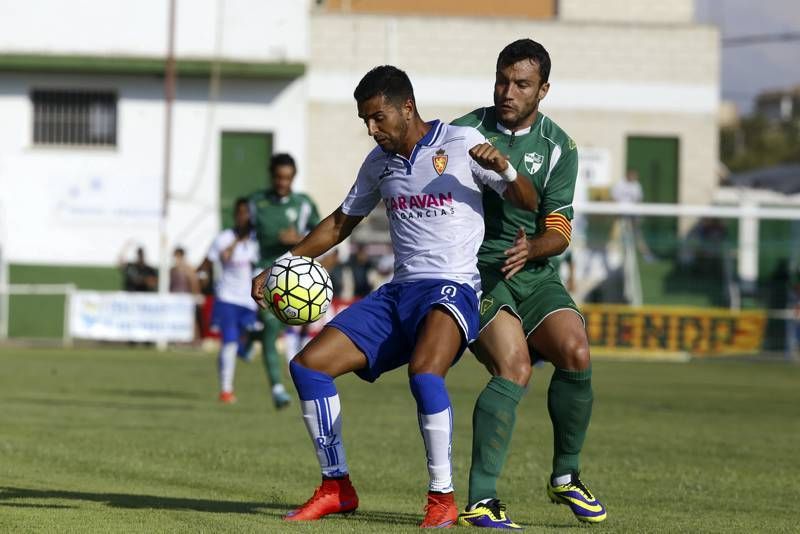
x: 121, y: 316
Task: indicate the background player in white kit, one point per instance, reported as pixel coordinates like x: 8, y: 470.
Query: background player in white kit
x: 234, y: 311
x: 430, y: 177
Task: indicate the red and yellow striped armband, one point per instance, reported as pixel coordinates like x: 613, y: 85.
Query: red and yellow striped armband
x: 560, y: 224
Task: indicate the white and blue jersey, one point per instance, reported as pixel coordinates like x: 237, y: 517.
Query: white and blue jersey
x: 434, y: 204
x: 234, y: 309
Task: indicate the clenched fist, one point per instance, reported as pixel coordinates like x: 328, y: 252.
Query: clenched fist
x: 488, y: 157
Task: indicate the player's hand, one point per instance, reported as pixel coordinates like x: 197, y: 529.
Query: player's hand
x: 517, y: 255
x: 257, y: 289
x: 489, y: 157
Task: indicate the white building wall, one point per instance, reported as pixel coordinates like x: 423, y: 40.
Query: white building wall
x: 79, y: 205
x: 609, y: 81
x: 254, y: 30
x: 671, y: 11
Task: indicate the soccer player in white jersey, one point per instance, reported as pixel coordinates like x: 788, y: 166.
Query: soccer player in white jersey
x: 429, y: 177
x: 236, y: 249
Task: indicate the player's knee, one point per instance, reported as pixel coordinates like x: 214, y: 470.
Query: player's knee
x: 576, y: 354
x: 515, y: 366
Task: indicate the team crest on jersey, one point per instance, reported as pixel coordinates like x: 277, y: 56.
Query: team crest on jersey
x: 486, y: 305
x: 440, y: 161
x: 533, y: 162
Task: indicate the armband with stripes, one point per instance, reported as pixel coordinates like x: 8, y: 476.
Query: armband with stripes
x: 560, y: 224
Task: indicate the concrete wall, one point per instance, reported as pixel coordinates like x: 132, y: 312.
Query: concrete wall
x: 77, y: 205
x: 255, y: 30
x: 671, y: 11
x: 608, y: 80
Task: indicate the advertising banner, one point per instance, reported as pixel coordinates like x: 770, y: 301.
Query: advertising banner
x: 121, y: 316
x: 663, y: 329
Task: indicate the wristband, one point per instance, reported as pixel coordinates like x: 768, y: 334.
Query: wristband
x: 510, y: 174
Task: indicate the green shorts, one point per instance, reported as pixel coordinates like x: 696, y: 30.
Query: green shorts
x: 530, y: 295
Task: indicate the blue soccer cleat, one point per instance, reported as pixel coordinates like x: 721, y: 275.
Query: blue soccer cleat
x: 487, y: 514
x: 578, y: 497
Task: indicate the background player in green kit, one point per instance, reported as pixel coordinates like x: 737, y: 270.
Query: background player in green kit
x: 526, y: 312
x: 281, y: 218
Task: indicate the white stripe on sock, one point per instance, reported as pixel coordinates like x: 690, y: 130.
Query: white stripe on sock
x: 323, y: 421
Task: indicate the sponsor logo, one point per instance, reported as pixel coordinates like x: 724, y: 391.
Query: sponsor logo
x: 440, y: 161
x: 422, y: 206
x: 533, y: 162
x: 448, y: 293
x: 572, y: 144
x: 486, y: 304
x: 386, y: 172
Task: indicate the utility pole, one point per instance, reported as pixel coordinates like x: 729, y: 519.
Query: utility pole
x: 169, y: 97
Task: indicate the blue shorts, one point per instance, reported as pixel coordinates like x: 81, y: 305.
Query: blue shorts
x: 384, y: 325
x: 232, y: 320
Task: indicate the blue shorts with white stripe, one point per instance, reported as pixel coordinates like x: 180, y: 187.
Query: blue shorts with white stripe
x: 384, y: 325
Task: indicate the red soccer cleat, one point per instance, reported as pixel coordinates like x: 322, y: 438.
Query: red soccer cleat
x: 441, y: 510
x: 333, y: 496
x: 227, y: 397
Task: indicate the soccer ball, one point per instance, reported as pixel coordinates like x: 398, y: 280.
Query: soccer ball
x: 298, y: 290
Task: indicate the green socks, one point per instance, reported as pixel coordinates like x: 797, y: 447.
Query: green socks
x: 569, y: 401
x: 271, y: 358
x: 492, y: 426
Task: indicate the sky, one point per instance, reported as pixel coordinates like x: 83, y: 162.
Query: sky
x: 748, y: 70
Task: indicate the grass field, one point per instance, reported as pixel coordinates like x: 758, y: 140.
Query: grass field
x: 134, y: 441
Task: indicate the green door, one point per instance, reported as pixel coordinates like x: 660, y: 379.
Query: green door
x: 656, y: 160
x: 244, y: 168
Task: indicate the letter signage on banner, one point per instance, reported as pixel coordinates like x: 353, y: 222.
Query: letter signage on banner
x: 663, y: 329
x: 121, y: 316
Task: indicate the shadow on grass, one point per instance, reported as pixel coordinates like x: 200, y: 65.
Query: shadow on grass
x: 149, y: 394
x: 102, y: 404
x: 129, y: 501
x: 49, y: 506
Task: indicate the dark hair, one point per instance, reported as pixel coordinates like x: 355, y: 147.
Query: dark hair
x: 239, y: 201
x: 179, y: 251
x: 385, y: 80
x: 525, y: 49
x: 281, y: 159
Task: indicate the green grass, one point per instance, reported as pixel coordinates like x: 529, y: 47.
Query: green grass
x: 133, y: 441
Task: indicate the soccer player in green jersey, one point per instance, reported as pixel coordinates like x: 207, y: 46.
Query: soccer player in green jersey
x: 526, y: 313
x: 281, y: 218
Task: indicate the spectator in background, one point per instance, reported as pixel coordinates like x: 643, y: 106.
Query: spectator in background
x: 137, y: 275
x: 182, y: 277
x: 629, y: 191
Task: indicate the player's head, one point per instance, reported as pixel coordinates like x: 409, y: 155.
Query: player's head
x: 241, y: 216
x: 282, y: 168
x: 386, y: 104
x: 632, y: 175
x: 140, y: 254
x: 521, y: 81
x: 178, y: 253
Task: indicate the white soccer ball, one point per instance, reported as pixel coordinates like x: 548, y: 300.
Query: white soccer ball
x: 298, y: 290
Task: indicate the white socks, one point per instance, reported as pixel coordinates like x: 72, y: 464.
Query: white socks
x: 437, y: 433
x: 226, y: 365
x: 324, y: 423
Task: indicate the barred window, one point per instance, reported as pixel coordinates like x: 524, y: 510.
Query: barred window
x: 74, y: 117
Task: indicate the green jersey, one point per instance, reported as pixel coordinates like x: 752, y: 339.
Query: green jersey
x: 546, y: 156
x: 272, y: 214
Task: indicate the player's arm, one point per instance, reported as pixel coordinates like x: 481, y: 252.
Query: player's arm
x: 331, y: 231
x: 521, y: 193
x: 557, y: 209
